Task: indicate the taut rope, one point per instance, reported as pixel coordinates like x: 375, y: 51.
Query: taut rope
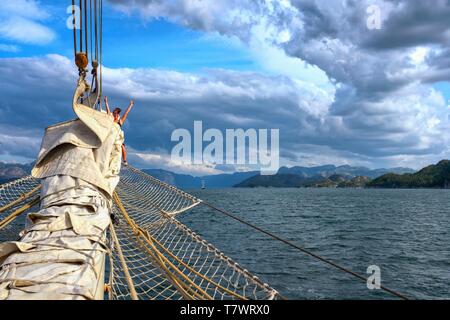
x: 302, y: 249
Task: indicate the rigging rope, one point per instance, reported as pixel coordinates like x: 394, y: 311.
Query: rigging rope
x: 89, y: 46
x: 166, y: 260
x: 306, y: 251
x: 94, y: 48
x: 182, y: 256
x: 6, y: 221
x: 90, y: 23
x: 163, y: 260
x: 86, y: 28
x: 21, y: 198
x: 123, y: 262
x: 101, y: 50
x: 74, y: 28
x: 81, y: 25
x: 95, y: 55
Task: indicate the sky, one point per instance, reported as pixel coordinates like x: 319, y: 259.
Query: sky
x: 338, y: 91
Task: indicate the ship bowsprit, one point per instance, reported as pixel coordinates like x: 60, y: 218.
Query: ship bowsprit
x: 150, y: 254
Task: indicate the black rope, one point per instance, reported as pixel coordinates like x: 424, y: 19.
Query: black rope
x: 96, y: 28
x: 81, y: 25
x: 74, y: 28
x: 86, y: 28
x: 90, y: 25
x: 306, y: 251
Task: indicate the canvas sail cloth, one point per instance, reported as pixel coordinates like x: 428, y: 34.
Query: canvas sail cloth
x: 61, y: 253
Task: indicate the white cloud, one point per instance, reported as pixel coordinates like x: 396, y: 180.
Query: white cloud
x: 379, y: 106
x: 163, y: 161
x: 24, y: 8
x: 419, y: 54
x: 22, y: 21
x: 26, y: 31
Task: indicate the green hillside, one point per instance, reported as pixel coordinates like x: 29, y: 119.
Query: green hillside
x: 434, y: 176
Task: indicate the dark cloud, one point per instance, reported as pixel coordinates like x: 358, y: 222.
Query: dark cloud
x: 165, y: 100
x: 333, y: 35
x: 413, y: 23
x: 382, y: 105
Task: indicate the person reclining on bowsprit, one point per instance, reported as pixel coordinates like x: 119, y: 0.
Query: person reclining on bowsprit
x: 120, y: 120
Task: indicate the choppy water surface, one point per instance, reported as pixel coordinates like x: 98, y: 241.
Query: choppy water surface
x: 404, y: 232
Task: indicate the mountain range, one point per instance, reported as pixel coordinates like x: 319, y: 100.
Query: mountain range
x: 286, y: 177
x: 433, y: 176
x: 345, y: 170
x: 283, y: 180
x: 328, y: 176
x: 12, y: 171
x: 184, y: 181
x: 319, y: 176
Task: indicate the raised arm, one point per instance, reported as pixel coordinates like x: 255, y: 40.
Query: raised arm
x: 108, y: 111
x: 125, y: 115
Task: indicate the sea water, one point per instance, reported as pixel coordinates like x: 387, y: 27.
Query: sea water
x: 406, y: 233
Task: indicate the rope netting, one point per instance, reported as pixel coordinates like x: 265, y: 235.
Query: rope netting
x: 15, y: 197
x: 152, y: 254
x: 164, y: 258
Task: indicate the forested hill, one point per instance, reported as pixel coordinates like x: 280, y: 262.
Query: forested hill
x: 434, y: 176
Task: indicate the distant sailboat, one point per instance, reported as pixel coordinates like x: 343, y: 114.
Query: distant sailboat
x: 203, y: 185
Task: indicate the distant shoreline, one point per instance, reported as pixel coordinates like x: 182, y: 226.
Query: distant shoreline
x: 342, y: 188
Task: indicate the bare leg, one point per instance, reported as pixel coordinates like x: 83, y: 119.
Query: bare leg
x: 124, y: 154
